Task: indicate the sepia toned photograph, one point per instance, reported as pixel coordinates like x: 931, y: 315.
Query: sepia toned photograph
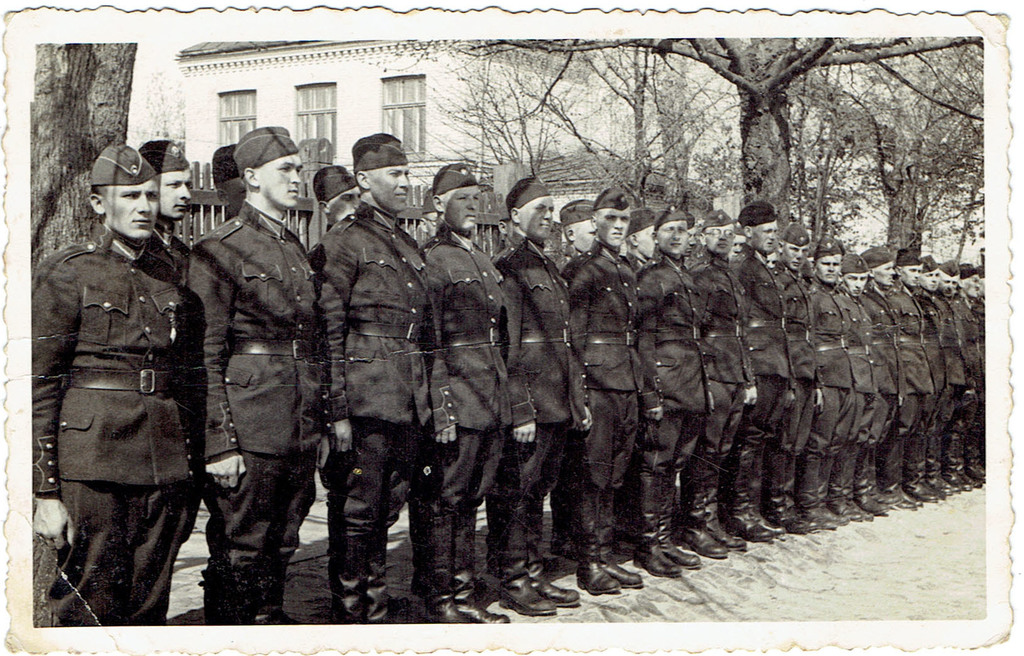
x: 591, y: 322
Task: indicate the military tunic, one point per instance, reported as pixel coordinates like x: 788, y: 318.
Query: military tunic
x: 885, y: 347
x: 108, y: 435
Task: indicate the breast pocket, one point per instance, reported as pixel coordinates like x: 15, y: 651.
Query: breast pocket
x: 265, y: 281
x: 379, y: 274
x: 104, y: 315
x: 467, y: 289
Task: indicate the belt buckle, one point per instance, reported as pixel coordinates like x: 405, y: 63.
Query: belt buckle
x: 565, y: 336
x: 147, y: 381
x: 739, y: 333
x: 295, y: 349
x: 493, y: 335
x: 408, y: 334
x: 842, y: 341
x: 629, y: 338
x: 696, y: 332
x: 783, y: 320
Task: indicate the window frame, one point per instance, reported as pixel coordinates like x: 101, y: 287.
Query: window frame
x: 420, y: 105
x: 223, y: 121
x: 332, y: 111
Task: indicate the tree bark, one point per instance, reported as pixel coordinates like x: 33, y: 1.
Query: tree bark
x: 80, y: 107
x: 765, y: 147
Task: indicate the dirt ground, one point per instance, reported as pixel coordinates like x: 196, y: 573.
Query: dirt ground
x: 927, y: 564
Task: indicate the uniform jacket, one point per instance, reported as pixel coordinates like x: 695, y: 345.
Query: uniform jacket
x: 603, y: 307
x: 255, y: 284
x: 969, y: 328
x: 859, y: 342
x: 828, y: 336
x: 931, y: 328
x: 914, y: 369
x: 765, y: 333
x: 951, y: 341
x: 885, y: 346
x: 723, y: 327
x: 376, y: 315
x: 176, y: 248
x: 671, y: 313
x: 796, y: 308
x: 100, y: 309
x: 544, y: 367
x: 471, y: 330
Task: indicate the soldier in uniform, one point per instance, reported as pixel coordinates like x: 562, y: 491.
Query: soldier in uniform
x: 457, y: 469
x: 336, y: 193
x: 781, y: 453
x: 915, y: 370
x: 730, y: 385
x: 376, y: 316
x: 972, y: 290
x: 964, y: 399
x: 577, y: 226
x: 227, y: 181
x: 869, y: 486
x: 602, y: 298
x: 854, y: 463
x: 833, y: 387
x: 769, y: 360
x: 111, y: 473
x: 640, y: 240
x: 174, y: 176
x: 264, y: 417
x: 670, y: 314
x: 547, y: 397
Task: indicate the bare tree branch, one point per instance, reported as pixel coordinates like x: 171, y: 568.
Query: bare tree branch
x: 803, y: 63
x: 859, y: 53
x: 921, y: 92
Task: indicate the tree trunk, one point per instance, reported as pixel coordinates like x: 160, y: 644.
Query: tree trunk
x: 765, y: 146
x: 80, y: 107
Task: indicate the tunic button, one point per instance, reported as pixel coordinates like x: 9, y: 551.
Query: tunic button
x: 50, y: 463
x: 490, y: 297
x: 226, y: 379
x: 142, y: 299
x: 404, y: 260
x: 132, y: 270
x: 413, y: 310
x: 148, y: 330
x: 294, y: 269
x: 231, y: 424
x: 63, y: 423
x: 298, y: 297
x: 485, y: 274
x: 106, y: 304
x: 234, y: 440
x: 51, y: 480
x: 408, y: 284
x: 493, y: 320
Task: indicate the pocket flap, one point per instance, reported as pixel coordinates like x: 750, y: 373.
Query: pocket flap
x: 237, y: 376
x: 251, y: 271
x: 166, y: 300
x: 665, y: 362
x: 72, y: 421
x: 537, y: 280
x: 106, y: 299
x: 379, y: 258
x: 463, y: 275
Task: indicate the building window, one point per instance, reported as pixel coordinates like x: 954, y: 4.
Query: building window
x: 317, y: 112
x: 237, y: 115
x: 405, y: 110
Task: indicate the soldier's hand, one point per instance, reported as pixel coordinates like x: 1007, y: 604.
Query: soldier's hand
x: 50, y: 519
x: 227, y: 469
x: 588, y: 418
x: 343, y: 434
x: 446, y: 435
x: 526, y: 433
x: 819, y: 398
x: 750, y: 398
x: 655, y: 414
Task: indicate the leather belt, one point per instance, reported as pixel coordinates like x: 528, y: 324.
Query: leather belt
x: 146, y: 381
x: 767, y: 323
x: 911, y: 339
x: 821, y: 348
x: 627, y: 338
x: 376, y: 329
x: 723, y: 333
x: 490, y: 339
x: 680, y: 336
x: 540, y: 337
x: 858, y: 350
x: 296, y: 348
x: 930, y: 341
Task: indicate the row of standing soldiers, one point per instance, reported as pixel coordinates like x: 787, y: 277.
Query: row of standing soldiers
x: 785, y: 397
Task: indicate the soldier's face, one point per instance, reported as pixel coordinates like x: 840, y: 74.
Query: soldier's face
x: 672, y: 239
x: 826, y: 269
x: 128, y: 210
x: 764, y: 237
x: 948, y: 283
x: 535, y: 218
x: 972, y: 287
x: 719, y: 239
x: 610, y: 226
x: 855, y: 282
x: 341, y: 206
x: 883, y: 274
x: 389, y: 187
x: 910, y: 275
x: 794, y: 256
x: 581, y: 235
x: 175, y: 194
x: 692, y: 239
x: 460, y: 207
x: 930, y: 281
x: 644, y: 242
x: 277, y: 181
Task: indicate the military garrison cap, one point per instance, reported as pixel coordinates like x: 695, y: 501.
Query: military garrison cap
x: 950, y: 268
x: 876, y: 256
x: 262, y: 145
x: 332, y: 181
x: 120, y: 165
x: 453, y: 176
x: 828, y: 246
x: 928, y: 264
x: 575, y: 211
x: 908, y: 257
x: 796, y: 234
x: 717, y: 219
x: 376, y: 152
x: 670, y: 215
x: 164, y: 155
x: 853, y: 263
x: 757, y: 213
x: 968, y: 270
x: 524, y: 191
x: 224, y: 167
x: 640, y: 219
x: 614, y: 198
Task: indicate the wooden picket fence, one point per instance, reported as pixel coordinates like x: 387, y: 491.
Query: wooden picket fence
x: 309, y: 224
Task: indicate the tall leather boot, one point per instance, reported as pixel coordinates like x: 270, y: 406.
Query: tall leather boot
x: 217, y: 608
x: 804, y: 520
x: 933, y: 464
x: 953, y: 468
x: 714, y: 525
x: 648, y: 554
x: 606, y: 542
x: 437, y: 579
x: 864, y: 482
x: 778, y: 486
x: 500, y: 516
x: 913, y: 469
x: 666, y: 491
x: 829, y: 470
x: 235, y: 595
x: 696, y: 533
x: 744, y: 518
